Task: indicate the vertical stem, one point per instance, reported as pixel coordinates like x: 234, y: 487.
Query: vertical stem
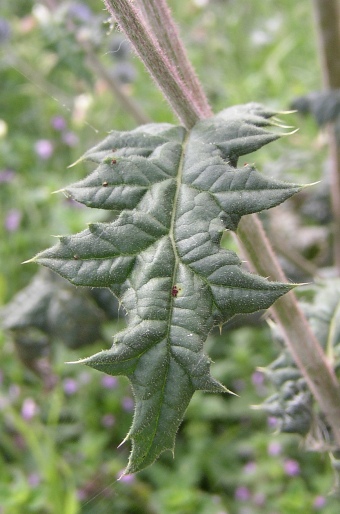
x: 158, y: 17
x: 334, y: 152
x: 326, y: 14
x: 299, y: 338
x: 327, y: 18
x: 163, y: 71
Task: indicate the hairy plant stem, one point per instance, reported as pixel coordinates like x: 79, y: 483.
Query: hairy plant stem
x: 327, y: 19
x: 157, y: 15
x: 163, y: 71
x: 305, y: 348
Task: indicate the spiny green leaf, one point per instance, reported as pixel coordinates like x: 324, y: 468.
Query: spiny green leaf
x: 175, y: 192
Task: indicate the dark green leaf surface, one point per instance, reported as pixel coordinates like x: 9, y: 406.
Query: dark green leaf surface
x: 175, y: 192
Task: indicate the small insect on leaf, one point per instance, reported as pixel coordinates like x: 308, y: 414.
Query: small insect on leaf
x: 105, y: 184
x: 75, y: 257
x: 113, y: 161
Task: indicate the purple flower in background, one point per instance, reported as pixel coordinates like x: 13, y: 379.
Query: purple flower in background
x: 6, y: 176
x: 70, y: 386
x: 5, y: 31
x: 128, y: 479
x: 58, y: 123
x: 274, y: 448
x: 29, y: 409
x: 108, y: 420
x: 14, y: 392
x: 250, y: 467
x: 44, y: 148
x: 291, y: 467
x: 80, y: 11
x: 34, y: 479
x: 242, y: 493
x: 73, y: 203
x: 127, y: 404
x: 259, y: 499
x: 12, y: 220
x: 319, y: 502
x: 109, y: 382
x: 3, y: 402
x: 70, y: 139
x: 272, y: 421
x: 81, y: 494
x: 257, y: 378
x: 238, y: 385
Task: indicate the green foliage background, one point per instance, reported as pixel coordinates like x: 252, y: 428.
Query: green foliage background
x: 58, y: 450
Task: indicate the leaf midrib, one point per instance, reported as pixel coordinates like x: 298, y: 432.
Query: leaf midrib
x: 177, y: 261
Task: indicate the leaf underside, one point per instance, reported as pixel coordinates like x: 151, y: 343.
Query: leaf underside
x: 173, y: 192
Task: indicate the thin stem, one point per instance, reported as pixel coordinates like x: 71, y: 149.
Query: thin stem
x: 34, y: 75
x: 284, y: 247
x: 334, y: 152
x: 126, y: 102
x: 327, y: 18
x: 299, y: 338
x: 288, y: 252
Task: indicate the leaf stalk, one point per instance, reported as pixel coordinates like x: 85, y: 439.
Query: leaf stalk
x: 163, y: 71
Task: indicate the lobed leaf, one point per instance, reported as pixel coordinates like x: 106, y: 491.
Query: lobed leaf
x: 174, y: 193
